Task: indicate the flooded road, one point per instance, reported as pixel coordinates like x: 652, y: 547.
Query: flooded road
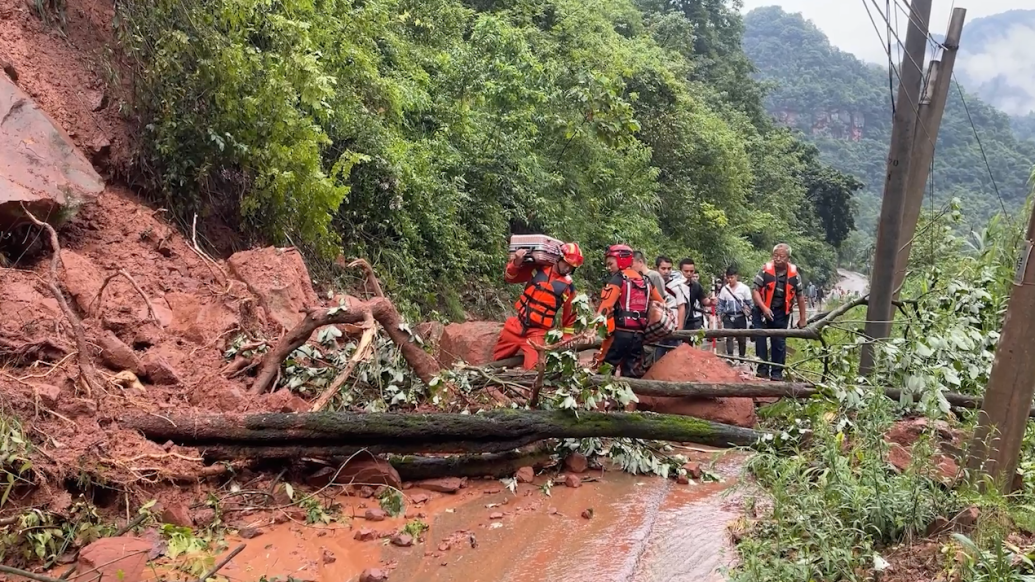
x: 642, y: 529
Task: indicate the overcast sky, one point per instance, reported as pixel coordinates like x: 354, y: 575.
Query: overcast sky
x: 846, y: 24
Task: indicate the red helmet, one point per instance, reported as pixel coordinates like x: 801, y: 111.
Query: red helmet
x: 622, y: 253
x: 572, y: 254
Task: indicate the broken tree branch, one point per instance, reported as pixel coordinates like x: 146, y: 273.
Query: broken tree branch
x: 369, y: 328
x: 86, y: 370
x: 415, y: 468
x: 381, y: 309
x: 418, y: 432
x: 97, y: 299
x: 371, y: 276
x: 223, y: 562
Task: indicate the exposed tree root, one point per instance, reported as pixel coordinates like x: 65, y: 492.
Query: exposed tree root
x: 25, y: 354
x: 97, y: 300
x: 87, y: 373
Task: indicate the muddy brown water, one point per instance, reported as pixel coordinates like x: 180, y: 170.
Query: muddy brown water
x: 643, y: 529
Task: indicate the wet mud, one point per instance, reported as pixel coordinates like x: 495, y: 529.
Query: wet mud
x: 614, y: 527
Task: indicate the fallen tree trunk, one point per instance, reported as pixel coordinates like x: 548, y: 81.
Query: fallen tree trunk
x: 414, y: 468
x: 422, y: 432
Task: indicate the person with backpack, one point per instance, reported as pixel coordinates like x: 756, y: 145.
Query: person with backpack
x: 625, y: 301
x: 734, y: 306
x: 548, y: 293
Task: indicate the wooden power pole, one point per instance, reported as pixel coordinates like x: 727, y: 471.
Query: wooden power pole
x: 1003, y: 417
x: 878, y: 311
x: 932, y: 106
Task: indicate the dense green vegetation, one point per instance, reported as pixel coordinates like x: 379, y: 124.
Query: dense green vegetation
x: 837, y: 504
x: 421, y: 134
x: 842, y: 105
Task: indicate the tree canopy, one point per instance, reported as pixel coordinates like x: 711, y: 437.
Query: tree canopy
x: 422, y: 134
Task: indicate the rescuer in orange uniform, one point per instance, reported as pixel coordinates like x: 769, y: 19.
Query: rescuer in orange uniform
x: 625, y: 301
x: 548, y: 292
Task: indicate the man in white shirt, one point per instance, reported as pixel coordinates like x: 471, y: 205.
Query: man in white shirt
x: 676, y: 299
x: 734, y: 306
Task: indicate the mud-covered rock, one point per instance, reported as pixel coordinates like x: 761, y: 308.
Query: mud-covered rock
x: 576, y: 463
x: 284, y: 400
x: 117, y: 355
x: 159, y: 370
x: 471, y: 342
x: 369, y: 471
x: 120, y: 558
x: 693, y: 469
x: 81, y: 278
x: 402, y: 540
x: 444, y: 485
x: 525, y: 475
x: 572, y: 481
x: 374, y: 514
x: 177, y: 514
x: 280, y: 280
x: 688, y: 364
x: 373, y: 575
x: 49, y: 394
x: 40, y: 165
x: 198, y: 319
x: 365, y: 535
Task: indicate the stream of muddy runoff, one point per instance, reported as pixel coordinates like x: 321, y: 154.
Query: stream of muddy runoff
x: 642, y: 529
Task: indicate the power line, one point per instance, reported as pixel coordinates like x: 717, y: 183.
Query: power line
x: 981, y: 147
x: 892, y: 68
x: 909, y: 14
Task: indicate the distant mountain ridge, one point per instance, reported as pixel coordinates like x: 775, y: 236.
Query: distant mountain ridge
x: 843, y: 105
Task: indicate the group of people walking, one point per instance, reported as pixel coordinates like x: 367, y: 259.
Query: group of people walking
x: 643, y: 306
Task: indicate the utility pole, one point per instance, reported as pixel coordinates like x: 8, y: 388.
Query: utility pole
x: 878, y: 311
x: 932, y: 106
x: 1004, y: 412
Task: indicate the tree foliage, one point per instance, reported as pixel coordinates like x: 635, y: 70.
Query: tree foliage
x: 422, y: 134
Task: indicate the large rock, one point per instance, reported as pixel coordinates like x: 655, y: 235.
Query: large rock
x: 198, y: 319
x: 81, y: 278
x: 471, y: 342
x: 39, y: 164
x: 123, y: 558
x: 688, y: 364
x: 279, y: 278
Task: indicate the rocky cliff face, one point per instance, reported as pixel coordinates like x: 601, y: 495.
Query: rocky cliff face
x: 835, y: 123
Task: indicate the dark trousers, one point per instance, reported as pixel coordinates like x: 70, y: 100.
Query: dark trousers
x: 778, y: 357
x: 735, y: 322
x: 665, y: 346
x: 694, y: 325
x: 626, y: 348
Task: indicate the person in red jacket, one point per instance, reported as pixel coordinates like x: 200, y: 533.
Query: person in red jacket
x: 625, y: 301
x: 547, y: 295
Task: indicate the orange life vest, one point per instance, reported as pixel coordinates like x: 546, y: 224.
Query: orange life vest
x: 542, y: 299
x: 769, y: 285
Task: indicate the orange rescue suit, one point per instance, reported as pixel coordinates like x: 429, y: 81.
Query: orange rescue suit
x: 608, y: 298
x: 545, y: 294
x: 769, y: 285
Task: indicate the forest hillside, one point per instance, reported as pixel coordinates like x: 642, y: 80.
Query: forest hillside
x: 843, y: 106
x: 436, y: 129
